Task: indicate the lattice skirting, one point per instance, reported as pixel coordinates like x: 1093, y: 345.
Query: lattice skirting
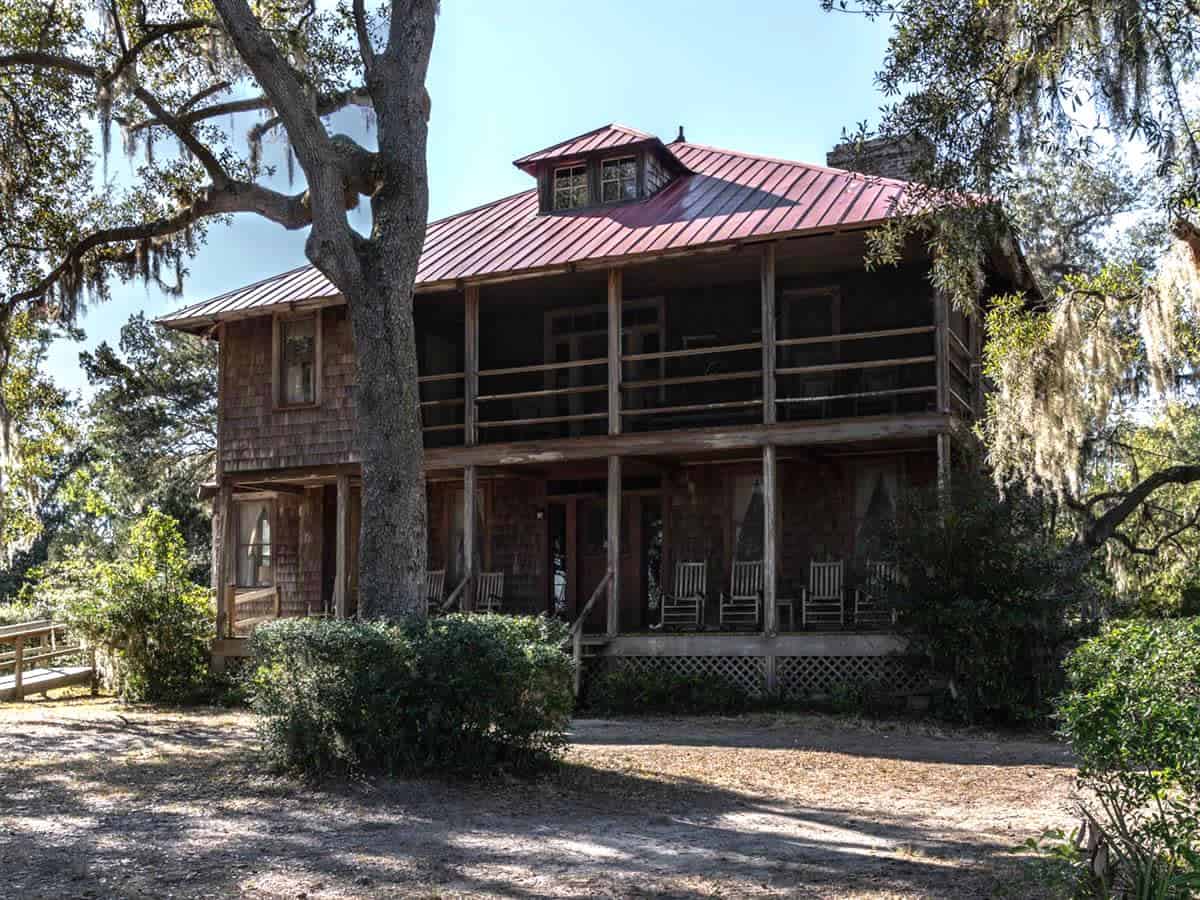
x: 799, y: 676
x: 744, y: 671
x: 796, y: 677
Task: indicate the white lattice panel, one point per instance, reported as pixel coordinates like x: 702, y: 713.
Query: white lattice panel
x: 801, y: 675
x: 744, y: 671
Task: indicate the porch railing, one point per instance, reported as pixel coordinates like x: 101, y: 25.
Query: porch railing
x: 740, y: 379
x: 438, y: 413
x: 839, y: 378
x: 576, y: 631
x: 876, y: 379
x: 251, y: 607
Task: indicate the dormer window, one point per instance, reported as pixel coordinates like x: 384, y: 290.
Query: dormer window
x: 618, y: 179
x: 570, y: 187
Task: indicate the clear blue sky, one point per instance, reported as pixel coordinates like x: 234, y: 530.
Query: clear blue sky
x: 776, y: 77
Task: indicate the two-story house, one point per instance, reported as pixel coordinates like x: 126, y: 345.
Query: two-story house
x: 662, y: 398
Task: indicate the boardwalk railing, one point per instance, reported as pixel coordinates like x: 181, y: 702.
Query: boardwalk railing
x: 40, y: 641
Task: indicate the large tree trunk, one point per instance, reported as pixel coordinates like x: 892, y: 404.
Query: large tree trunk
x: 392, y: 539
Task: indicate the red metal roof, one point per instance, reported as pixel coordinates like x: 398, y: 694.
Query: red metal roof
x: 604, y: 138
x: 726, y: 197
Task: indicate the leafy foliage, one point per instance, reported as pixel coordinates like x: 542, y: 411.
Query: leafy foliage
x: 638, y: 692
x: 1132, y: 714
x: 984, y: 599
x: 463, y: 694
x: 152, y: 430
x: 142, y: 607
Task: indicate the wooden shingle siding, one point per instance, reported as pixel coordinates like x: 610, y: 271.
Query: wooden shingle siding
x: 256, y: 435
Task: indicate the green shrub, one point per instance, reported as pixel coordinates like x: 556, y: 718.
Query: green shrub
x: 984, y: 600
x: 464, y: 693
x: 1132, y: 714
x: 634, y: 691
x: 140, y: 607
x: 14, y: 612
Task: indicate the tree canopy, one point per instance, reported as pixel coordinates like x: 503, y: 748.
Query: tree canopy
x: 1094, y: 104
x: 169, y: 77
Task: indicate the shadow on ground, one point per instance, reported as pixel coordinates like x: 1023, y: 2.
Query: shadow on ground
x: 103, y: 802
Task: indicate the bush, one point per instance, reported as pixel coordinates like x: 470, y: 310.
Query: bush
x: 464, y: 693
x: 140, y: 607
x: 15, y: 612
x: 633, y: 691
x: 1132, y: 714
x: 984, y: 600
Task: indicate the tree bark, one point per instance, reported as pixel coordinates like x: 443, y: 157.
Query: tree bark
x: 376, y: 275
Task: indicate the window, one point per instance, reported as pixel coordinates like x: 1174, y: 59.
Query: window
x: 254, y: 569
x: 298, y: 361
x: 570, y: 187
x: 618, y: 179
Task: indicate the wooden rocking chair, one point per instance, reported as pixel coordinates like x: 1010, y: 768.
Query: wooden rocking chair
x: 743, y: 604
x: 822, y: 602
x: 686, y: 605
x: 881, y: 576
x: 435, y: 590
x: 489, y: 591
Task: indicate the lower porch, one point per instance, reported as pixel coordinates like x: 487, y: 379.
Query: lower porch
x: 617, y: 547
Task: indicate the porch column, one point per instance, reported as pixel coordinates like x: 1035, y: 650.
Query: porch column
x: 768, y: 333
x: 471, y: 366
x: 770, y: 538
x: 941, y: 321
x: 613, y: 508
x: 614, y: 350
x: 341, y: 580
x: 470, y: 512
x: 943, y: 465
x: 223, y: 558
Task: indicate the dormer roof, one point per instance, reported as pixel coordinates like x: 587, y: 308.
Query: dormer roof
x: 607, y: 137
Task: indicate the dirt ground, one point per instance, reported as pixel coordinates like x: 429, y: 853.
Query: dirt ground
x: 99, y: 800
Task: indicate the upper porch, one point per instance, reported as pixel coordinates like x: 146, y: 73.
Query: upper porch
x: 790, y: 333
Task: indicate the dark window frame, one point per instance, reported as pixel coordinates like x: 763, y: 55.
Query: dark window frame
x: 279, y: 360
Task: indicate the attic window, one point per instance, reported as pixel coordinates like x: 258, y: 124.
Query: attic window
x: 298, y: 361
x: 618, y: 179
x: 570, y: 187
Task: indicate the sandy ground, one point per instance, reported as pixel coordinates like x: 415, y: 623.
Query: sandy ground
x: 99, y: 800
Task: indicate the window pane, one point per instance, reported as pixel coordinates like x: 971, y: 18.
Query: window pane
x: 254, y: 567
x: 298, y: 360
x: 611, y: 191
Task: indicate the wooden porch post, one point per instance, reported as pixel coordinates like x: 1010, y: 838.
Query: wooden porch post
x: 613, y: 509
x: 943, y: 466
x: 768, y: 333
x: 614, y: 350
x: 471, y: 366
x: 941, y: 321
x: 770, y: 538
x: 470, y: 512
x: 341, y: 583
x: 224, y: 530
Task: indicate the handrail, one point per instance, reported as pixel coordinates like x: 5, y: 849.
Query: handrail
x: 544, y: 367
x: 576, y: 631
x: 577, y: 625
x: 446, y: 376
x: 690, y: 379
x: 865, y: 364
x: 693, y: 351
x: 962, y: 347
x: 855, y: 336
x: 454, y: 595
x: 32, y: 628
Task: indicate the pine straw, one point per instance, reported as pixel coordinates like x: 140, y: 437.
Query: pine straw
x: 99, y: 800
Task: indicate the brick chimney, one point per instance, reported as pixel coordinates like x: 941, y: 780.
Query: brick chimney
x: 884, y: 156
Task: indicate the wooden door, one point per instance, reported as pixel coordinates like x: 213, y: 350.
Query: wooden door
x: 592, y: 560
